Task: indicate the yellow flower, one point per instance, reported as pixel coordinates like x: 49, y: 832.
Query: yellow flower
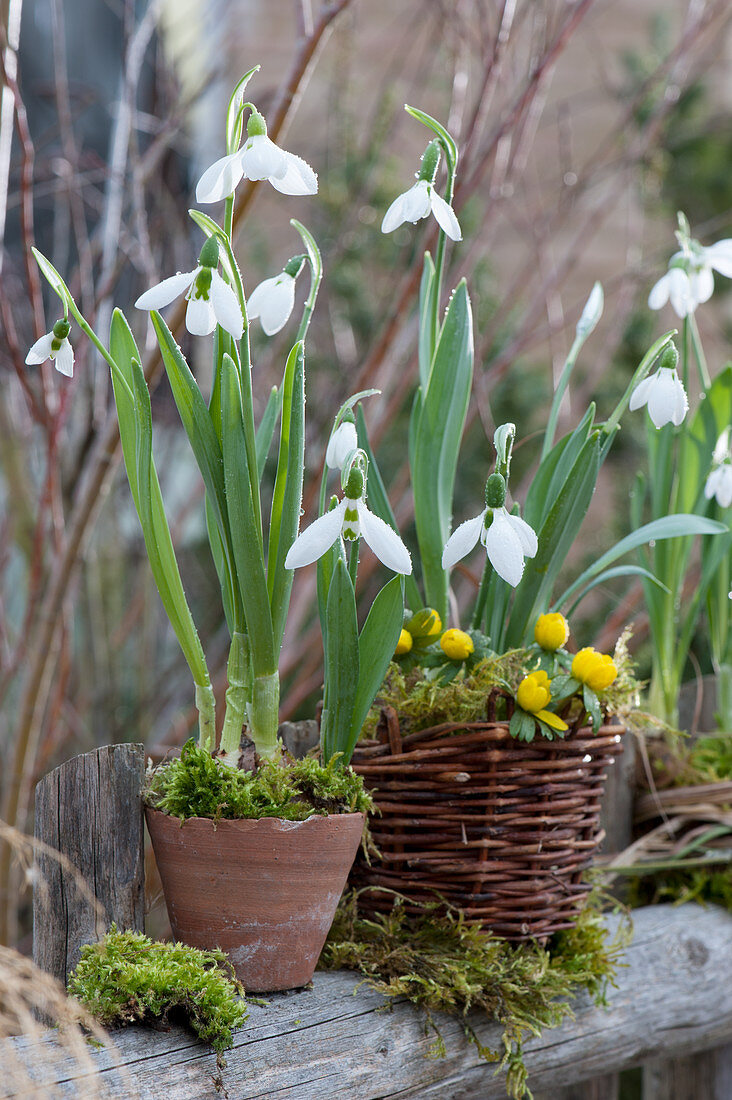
x: 597, y: 670
x: 533, y: 695
x: 533, y: 692
x: 456, y: 644
x: 404, y: 644
x: 551, y: 631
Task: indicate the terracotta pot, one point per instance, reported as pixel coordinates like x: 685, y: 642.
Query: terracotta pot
x: 265, y: 890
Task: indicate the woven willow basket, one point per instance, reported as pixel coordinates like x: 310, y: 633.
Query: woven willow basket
x: 501, y: 829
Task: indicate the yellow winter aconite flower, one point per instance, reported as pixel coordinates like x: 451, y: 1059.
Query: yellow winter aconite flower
x: 597, y: 670
x: 456, y: 644
x: 404, y: 644
x: 551, y: 630
x: 533, y: 694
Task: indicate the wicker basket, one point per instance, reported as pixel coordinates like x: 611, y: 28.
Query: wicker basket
x: 500, y: 829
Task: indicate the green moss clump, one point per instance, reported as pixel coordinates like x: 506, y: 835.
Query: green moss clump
x: 128, y: 978
x: 440, y: 962
x: 423, y: 701
x: 706, y: 885
x: 197, y: 785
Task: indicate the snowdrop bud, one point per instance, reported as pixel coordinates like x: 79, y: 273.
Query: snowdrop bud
x: 669, y: 358
x: 209, y: 255
x: 430, y: 162
x: 294, y: 266
x: 342, y: 443
x: 592, y: 312
x: 256, y: 124
x: 61, y: 329
x: 495, y: 491
x: 355, y: 484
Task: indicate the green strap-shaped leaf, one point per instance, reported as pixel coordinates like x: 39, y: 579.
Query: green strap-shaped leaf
x: 149, y: 501
x: 438, y: 419
x: 266, y: 429
x: 341, y: 663
x: 379, y: 501
x: 426, y: 347
x: 204, y: 441
x: 376, y: 646
x: 287, y: 495
x: 554, y: 470
x: 557, y: 533
x: 610, y: 574
x: 246, y: 545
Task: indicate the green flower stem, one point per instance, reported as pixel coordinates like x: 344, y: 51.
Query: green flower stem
x: 264, y: 714
x: 244, y: 365
x: 206, y: 707
x: 699, y: 356
x: 551, y: 426
x: 237, y: 694
x: 436, y: 293
x: 485, y: 580
x: 315, y: 263
x: 724, y: 697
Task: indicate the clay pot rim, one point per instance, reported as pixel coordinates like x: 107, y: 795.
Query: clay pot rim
x: 218, y: 822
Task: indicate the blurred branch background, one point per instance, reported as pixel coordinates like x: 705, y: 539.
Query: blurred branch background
x: 582, y: 126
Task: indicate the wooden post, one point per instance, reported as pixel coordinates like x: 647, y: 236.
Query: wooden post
x: 90, y: 810
x: 707, y: 1074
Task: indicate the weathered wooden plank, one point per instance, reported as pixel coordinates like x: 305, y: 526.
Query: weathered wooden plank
x: 705, y: 1076
x: 673, y: 997
x: 90, y: 810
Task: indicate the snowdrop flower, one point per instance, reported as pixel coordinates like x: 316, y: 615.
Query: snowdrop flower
x: 211, y: 301
x: 422, y: 198
x: 274, y: 299
x: 689, y: 280
x: 507, y: 539
x: 342, y: 443
x: 56, y: 347
x: 350, y: 520
x: 663, y: 393
x: 258, y: 159
x: 719, y: 482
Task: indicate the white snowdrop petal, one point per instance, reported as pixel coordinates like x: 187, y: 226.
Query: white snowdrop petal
x: 162, y: 294
x: 299, y: 178
x: 526, y: 535
x: 313, y: 542
x: 226, y: 306
x: 719, y: 256
x: 261, y: 159
x: 680, y: 292
x: 702, y: 285
x: 659, y: 293
x: 639, y: 396
x: 724, y: 486
x: 200, y: 317
x: 220, y: 180
x: 445, y: 216
x: 394, y: 217
x: 462, y: 540
x: 504, y: 550
x: 410, y: 206
x: 680, y: 401
x: 41, y: 351
x: 384, y: 541
x: 64, y: 359
x: 711, y: 484
x: 273, y: 301
x: 342, y: 442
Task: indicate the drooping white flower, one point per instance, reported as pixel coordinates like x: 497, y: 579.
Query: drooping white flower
x: 56, y: 347
x: 507, y: 539
x: 719, y: 485
x: 272, y: 302
x: 719, y: 482
x: 665, y: 396
x: 211, y: 300
x: 417, y: 203
x: 350, y: 520
x: 341, y: 444
x: 258, y: 159
x: 689, y: 280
